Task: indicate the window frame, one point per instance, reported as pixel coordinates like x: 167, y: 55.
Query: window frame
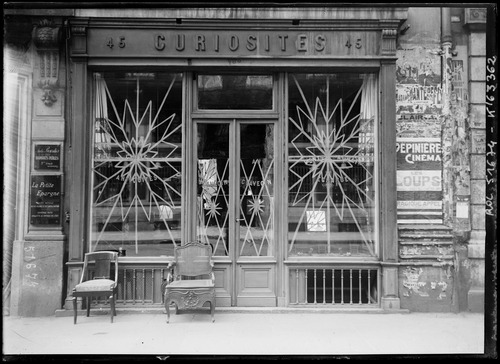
x: 79, y: 159
x: 231, y: 113
x: 377, y: 155
x: 90, y: 153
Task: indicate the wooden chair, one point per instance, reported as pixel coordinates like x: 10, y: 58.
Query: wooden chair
x: 96, y: 280
x: 191, y: 281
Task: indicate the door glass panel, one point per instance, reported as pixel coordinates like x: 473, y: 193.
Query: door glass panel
x: 137, y: 163
x: 331, y: 200
x: 256, y: 218
x: 213, y: 186
x: 235, y: 92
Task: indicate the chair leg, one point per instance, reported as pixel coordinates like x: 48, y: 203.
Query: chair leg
x: 89, y: 299
x: 212, y: 310
x: 112, y: 303
x: 167, y: 308
x: 74, y: 310
x: 114, y: 307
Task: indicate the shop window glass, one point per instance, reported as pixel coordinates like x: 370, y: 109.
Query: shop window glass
x: 137, y: 163
x: 213, y: 192
x: 256, y: 185
x: 254, y: 188
x: 235, y: 92
x: 331, y: 164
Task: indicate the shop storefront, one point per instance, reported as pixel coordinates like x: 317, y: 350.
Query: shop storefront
x: 266, y: 140
x: 310, y: 147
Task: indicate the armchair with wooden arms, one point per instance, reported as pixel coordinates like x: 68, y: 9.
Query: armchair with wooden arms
x: 191, y: 281
x: 96, y: 280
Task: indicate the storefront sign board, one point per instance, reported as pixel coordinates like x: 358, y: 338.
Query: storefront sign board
x: 195, y: 43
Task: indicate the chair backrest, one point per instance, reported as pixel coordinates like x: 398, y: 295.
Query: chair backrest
x: 100, y: 264
x: 193, y: 259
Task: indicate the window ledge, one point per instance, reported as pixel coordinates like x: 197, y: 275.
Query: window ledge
x: 329, y: 260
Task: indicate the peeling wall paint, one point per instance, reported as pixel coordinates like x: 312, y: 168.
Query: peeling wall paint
x: 456, y: 165
x: 428, y: 251
x: 427, y: 288
x: 412, y: 282
x: 433, y: 105
x: 415, y: 285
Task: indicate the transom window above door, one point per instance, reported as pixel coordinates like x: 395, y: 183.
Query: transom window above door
x: 235, y: 92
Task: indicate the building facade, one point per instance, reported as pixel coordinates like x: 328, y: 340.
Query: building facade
x: 332, y: 156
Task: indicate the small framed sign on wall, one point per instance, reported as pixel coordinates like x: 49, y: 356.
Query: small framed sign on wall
x: 45, y: 200
x: 47, y: 157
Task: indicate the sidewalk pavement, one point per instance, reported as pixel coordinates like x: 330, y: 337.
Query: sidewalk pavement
x: 247, y: 332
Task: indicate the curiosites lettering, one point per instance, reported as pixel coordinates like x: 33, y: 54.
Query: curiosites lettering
x: 228, y: 42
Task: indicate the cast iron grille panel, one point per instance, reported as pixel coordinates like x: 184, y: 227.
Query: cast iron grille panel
x: 343, y: 286
x: 139, y: 287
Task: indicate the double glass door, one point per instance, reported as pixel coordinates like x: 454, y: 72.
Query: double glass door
x: 236, y: 194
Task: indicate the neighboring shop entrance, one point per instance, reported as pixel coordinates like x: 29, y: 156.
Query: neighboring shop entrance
x: 236, y: 207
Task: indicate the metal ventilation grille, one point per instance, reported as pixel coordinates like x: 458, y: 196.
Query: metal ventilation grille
x: 334, y: 286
